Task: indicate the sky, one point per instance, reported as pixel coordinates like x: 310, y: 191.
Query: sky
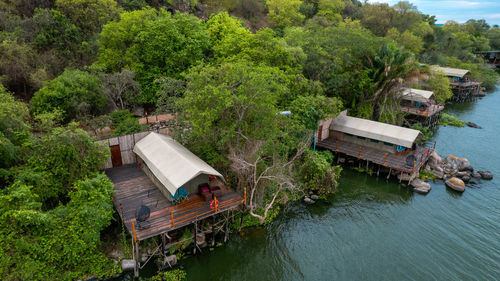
x: 458, y: 10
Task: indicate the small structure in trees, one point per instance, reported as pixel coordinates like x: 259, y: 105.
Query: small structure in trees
x: 421, y: 106
x: 382, y: 144
x: 178, y: 189
x: 492, y: 58
x: 462, y: 85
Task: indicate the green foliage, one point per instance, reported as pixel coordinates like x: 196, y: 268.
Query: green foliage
x: 14, y: 131
x: 61, y: 158
x: 407, y: 39
x: 171, y: 275
x: 451, y: 120
x: 89, y: 15
x: 283, y: 13
x: 74, y: 92
x: 308, y: 110
x: 125, y: 123
x: 60, y: 244
x: 153, y: 45
x: 317, y: 173
x: 232, y: 101
x: 427, y: 133
x: 425, y: 175
x: 170, y: 91
x: 440, y: 85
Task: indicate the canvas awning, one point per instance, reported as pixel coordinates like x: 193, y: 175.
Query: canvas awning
x: 451, y: 72
x: 170, y: 162
x: 416, y: 95
x: 374, y: 130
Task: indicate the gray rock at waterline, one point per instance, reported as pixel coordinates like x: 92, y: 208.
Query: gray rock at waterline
x: 486, y: 175
x: 455, y: 184
x: 420, y: 186
x: 308, y: 200
x: 466, y: 178
x: 314, y: 197
x: 171, y: 260
x: 461, y: 174
x: 128, y: 264
x: 476, y: 175
x: 473, y: 125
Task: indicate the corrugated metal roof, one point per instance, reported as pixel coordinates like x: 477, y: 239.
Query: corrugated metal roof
x: 416, y: 95
x: 452, y: 72
x: 171, y: 163
x: 374, y: 130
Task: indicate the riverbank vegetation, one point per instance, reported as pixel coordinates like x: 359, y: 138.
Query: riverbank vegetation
x: 226, y: 69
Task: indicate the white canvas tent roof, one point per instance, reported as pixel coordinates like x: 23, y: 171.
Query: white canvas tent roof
x: 452, y: 72
x: 374, y: 130
x: 416, y: 95
x: 171, y: 163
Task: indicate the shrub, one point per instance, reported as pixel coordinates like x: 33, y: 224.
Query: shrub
x: 448, y: 119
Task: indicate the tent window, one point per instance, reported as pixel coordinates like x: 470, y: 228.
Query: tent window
x: 375, y: 141
x: 388, y: 144
x: 361, y: 138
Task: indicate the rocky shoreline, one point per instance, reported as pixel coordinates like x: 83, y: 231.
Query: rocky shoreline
x: 456, y: 172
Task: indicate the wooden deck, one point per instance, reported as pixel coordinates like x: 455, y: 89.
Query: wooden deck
x: 429, y: 111
x: 396, y: 162
x: 133, y: 189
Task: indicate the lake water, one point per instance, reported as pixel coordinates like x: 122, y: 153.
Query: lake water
x: 376, y: 230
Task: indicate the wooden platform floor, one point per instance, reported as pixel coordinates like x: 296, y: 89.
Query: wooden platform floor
x: 396, y: 162
x: 429, y: 111
x: 133, y: 189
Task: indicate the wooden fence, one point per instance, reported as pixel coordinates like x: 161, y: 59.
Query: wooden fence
x: 122, y: 148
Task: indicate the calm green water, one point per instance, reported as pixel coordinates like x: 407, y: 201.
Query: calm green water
x: 375, y: 230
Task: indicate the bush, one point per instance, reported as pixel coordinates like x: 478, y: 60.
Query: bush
x: 427, y: 133
x: 317, y: 173
x: 75, y: 93
x: 171, y: 275
x: 448, y: 119
x: 125, y: 123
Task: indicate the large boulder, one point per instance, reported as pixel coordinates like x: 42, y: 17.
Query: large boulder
x: 476, y: 175
x: 455, y: 184
x: 486, y: 175
x: 464, y: 165
x: 434, y: 160
x: 314, y: 197
x: 420, y: 186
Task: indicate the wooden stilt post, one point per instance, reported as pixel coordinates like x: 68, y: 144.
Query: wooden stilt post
x: 163, y: 244
x: 378, y: 171
x: 213, y: 230
x: 336, y: 145
x: 389, y: 175
x: 245, y: 196
x: 385, y: 159
x: 359, y: 152
x: 241, y: 221
x: 137, y: 264
x: 195, y: 237
x: 226, y: 231
x: 367, y: 166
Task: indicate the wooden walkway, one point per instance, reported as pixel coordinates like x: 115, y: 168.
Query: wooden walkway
x: 133, y: 189
x: 390, y: 160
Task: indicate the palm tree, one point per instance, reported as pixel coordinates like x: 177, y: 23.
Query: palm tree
x: 391, y: 65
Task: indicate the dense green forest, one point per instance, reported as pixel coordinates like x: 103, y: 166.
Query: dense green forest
x: 226, y: 68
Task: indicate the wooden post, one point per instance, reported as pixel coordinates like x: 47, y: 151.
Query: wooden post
x: 245, y: 195
x: 213, y: 230
x: 172, y: 218
x: 163, y: 244
x: 195, y: 236
x: 137, y: 264
x: 389, y: 175
x: 121, y: 209
x: 359, y: 152
x: 227, y: 182
x: 241, y: 221
x: 434, y: 148
x: 385, y: 159
x: 215, y: 204
x: 413, y: 169
x: 336, y: 145
x: 378, y: 171
x: 226, y: 231
x: 133, y: 231
x: 367, y: 166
